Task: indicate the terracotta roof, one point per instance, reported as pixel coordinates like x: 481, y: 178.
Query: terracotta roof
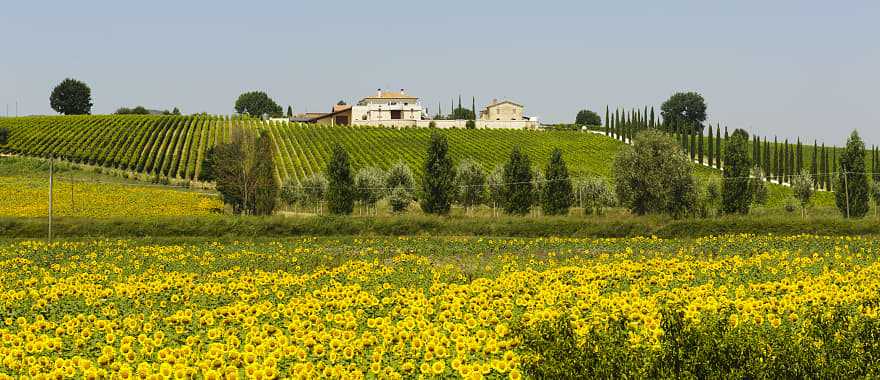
x: 337, y: 108
x: 391, y: 95
x: 502, y: 102
x: 331, y: 114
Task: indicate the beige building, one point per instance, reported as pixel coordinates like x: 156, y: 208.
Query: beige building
x: 387, y: 106
x: 504, y: 110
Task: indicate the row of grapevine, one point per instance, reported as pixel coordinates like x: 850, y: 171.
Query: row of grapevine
x: 168, y: 146
x: 175, y: 146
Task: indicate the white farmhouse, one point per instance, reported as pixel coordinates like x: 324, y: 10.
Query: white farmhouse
x: 387, y: 106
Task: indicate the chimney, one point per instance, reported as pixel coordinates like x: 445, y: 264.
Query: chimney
x: 402, y: 92
x: 378, y: 92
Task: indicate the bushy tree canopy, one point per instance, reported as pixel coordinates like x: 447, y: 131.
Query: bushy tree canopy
x: 71, y: 97
x: 257, y: 103
x: 684, y: 109
x: 438, y: 183
x: 139, y: 110
x: 557, y: 189
x: 517, y: 186
x: 340, y: 193
x: 587, y: 117
x: 244, y: 172
x: 851, y: 190
x: 736, y: 192
x: 654, y: 176
x: 470, y: 179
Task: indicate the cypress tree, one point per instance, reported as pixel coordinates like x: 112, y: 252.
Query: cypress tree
x: 767, y: 173
x: 607, y: 130
x: 823, y: 167
x: 736, y: 194
x: 700, y: 146
x: 645, y: 119
x: 340, y: 192
x: 614, y: 124
x: 718, y: 146
x: 799, y: 158
x: 852, y: 193
x: 693, y: 143
x: 438, y: 183
x: 618, y: 127
x: 711, y: 146
x: 652, y: 124
x: 474, y: 107
x: 517, y: 183
x: 785, y: 168
x: 791, y: 163
x: 814, y: 166
x: 834, y: 168
x: 557, y: 190
x: 775, y: 168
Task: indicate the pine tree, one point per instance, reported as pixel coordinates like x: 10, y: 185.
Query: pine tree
x: 438, y: 183
x: 340, y: 193
x: 557, y: 191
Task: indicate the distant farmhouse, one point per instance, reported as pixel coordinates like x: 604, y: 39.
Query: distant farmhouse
x: 399, y: 109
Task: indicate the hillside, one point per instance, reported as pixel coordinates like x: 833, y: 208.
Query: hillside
x: 174, y: 146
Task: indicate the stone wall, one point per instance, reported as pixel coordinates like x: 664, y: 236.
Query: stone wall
x: 448, y: 124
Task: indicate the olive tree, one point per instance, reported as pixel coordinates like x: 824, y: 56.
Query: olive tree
x: 802, y: 187
x: 369, y: 184
x: 470, y: 180
x: 594, y: 195
x: 758, y: 184
x: 291, y: 193
x: 314, y: 190
x: 495, y: 187
x: 401, y: 186
x: 654, y: 176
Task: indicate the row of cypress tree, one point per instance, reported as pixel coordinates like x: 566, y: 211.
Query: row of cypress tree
x: 518, y: 188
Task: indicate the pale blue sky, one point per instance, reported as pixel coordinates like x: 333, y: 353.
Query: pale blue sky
x: 808, y: 68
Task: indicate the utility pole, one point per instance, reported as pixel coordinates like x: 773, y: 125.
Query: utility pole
x: 846, y: 191
x: 51, y: 175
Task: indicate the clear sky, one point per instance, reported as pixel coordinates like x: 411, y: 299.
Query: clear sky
x: 805, y: 68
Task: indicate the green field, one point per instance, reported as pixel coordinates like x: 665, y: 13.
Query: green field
x: 173, y: 147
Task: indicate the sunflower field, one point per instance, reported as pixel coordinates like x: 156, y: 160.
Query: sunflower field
x: 734, y: 306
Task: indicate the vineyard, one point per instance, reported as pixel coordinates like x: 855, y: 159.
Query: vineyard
x: 174, y: 146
